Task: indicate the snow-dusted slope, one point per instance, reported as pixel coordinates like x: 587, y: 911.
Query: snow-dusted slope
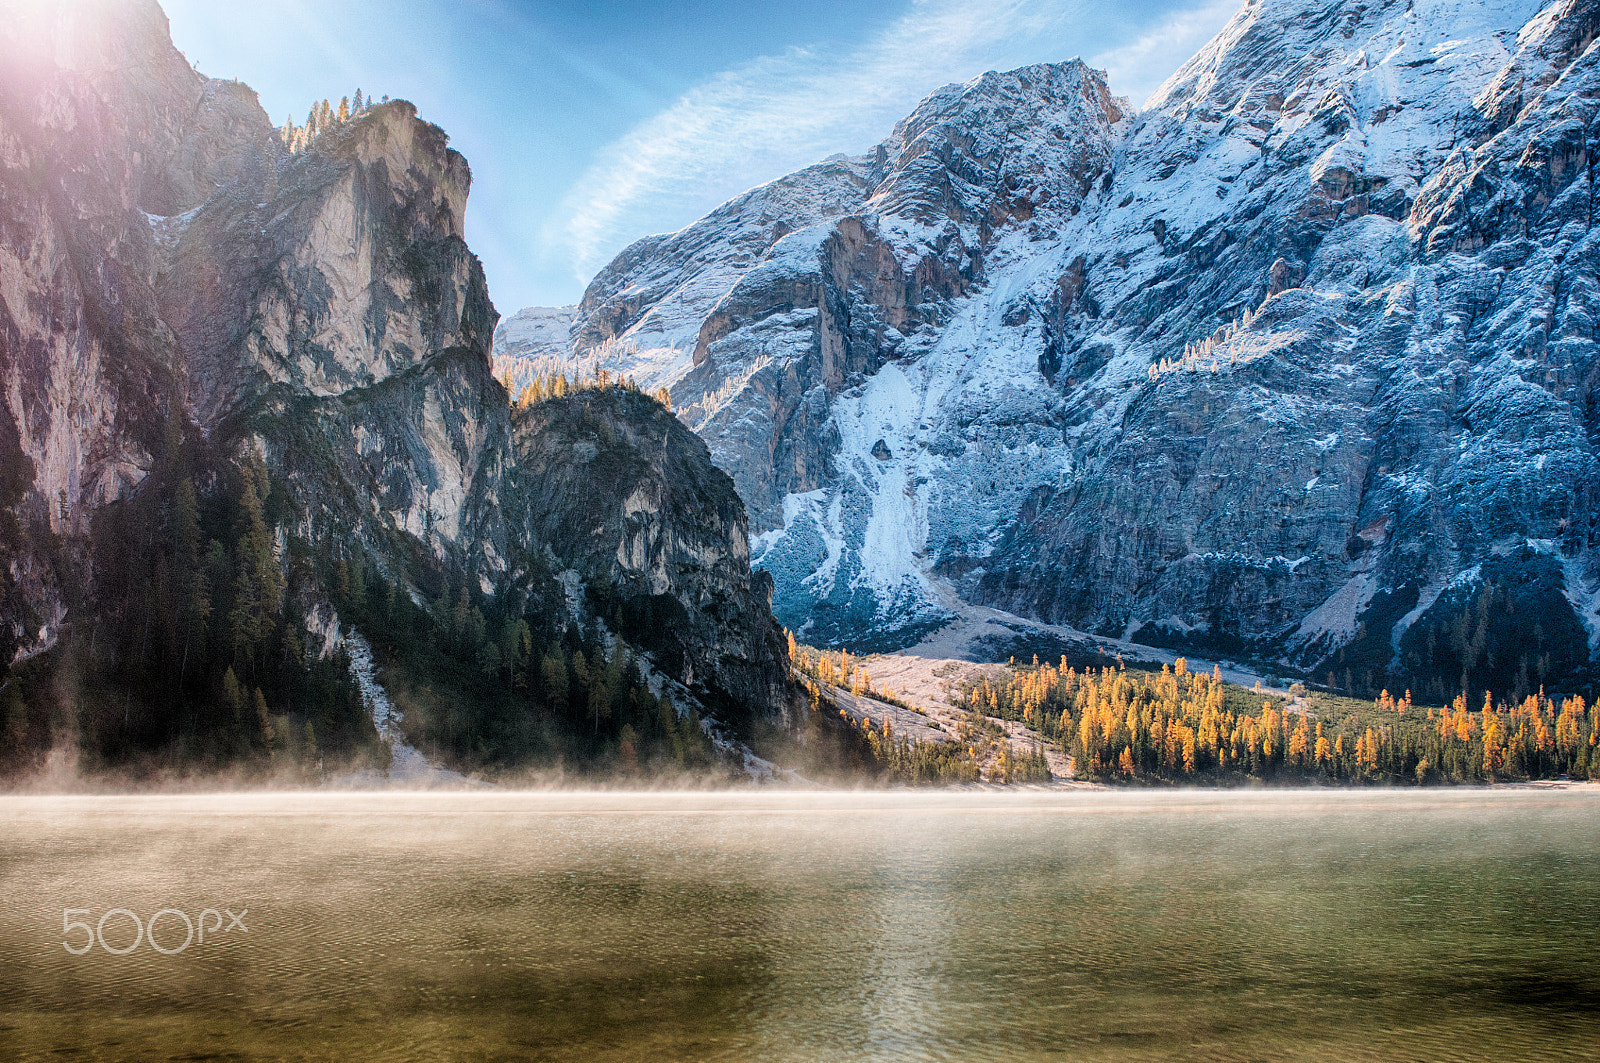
x: 536, y: 332
x: 769, y: 315
x: 536, y: 340
x: 643, y: 312
x: 1266, y: 366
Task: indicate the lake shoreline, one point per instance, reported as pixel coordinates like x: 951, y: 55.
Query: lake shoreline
x: 753, y: 798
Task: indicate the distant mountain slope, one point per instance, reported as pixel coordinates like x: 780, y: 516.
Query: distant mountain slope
x: 1298, y: 362
x: 535, y: 341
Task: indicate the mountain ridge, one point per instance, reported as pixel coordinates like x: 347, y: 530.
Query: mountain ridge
x: 1265, y: 374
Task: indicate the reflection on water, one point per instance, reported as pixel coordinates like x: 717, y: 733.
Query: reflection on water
x: 485, y: 926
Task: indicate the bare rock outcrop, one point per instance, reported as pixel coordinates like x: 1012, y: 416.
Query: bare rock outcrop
x: 611, y: 491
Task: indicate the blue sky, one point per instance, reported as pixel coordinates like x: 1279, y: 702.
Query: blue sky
x: 589, y: 125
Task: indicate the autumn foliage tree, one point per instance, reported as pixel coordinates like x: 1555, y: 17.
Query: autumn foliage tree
x: 1178, y: 725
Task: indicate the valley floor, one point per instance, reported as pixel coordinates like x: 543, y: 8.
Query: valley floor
x: 929, y: 675
x: 980, y: 633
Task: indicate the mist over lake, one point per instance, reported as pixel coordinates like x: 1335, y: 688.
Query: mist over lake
x: 1268, y: 925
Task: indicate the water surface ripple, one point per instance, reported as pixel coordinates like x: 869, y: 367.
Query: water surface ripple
x: 1176, y: 925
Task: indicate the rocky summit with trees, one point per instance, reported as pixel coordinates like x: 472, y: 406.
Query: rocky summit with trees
x: 251, y: 409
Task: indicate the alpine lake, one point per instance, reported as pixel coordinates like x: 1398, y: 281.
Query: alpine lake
x: 767, y: 925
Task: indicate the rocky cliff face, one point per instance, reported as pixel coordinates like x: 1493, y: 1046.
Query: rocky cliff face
x: 328, y: 304
x: 1293, y: 363
x: 622, y: 503
x: 103, y: 127
x: 173, y: 276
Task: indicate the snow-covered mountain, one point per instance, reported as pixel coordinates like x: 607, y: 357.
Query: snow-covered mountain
x: 1298, y: 361
x: 534, y: 339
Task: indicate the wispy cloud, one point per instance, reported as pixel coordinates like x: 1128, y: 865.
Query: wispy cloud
x: 763, y: 118
x: 777, y: 113
x: 1138, y: 68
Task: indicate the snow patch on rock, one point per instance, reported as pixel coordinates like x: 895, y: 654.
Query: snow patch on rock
x: 407, y: 765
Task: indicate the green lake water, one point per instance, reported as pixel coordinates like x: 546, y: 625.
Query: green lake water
x: 1171, y: 925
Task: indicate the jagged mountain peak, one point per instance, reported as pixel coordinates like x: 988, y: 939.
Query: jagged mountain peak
x: 1245, y: 371
x: 378, y: 204
x: 997, y: 105
x: 409, y: 147
x: 950, y: 175
x: 1009, y: 136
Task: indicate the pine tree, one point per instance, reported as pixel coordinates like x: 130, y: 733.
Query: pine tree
x: 599, y: 704
x: 1300, y: 742
x: 195, y: 607
x: 553, y: 678
x: 1494, y: 750
x: 696, y: 747
x: 262, y: 718
x: 516, y: 647
x: 232, y: 697
x: 627, y: 752
x: 258, y: 585
x: 358, y: 582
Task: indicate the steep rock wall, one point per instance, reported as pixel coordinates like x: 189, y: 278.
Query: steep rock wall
x: 616, y: 492
x: 172, y: 275
x: 104, y: 129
